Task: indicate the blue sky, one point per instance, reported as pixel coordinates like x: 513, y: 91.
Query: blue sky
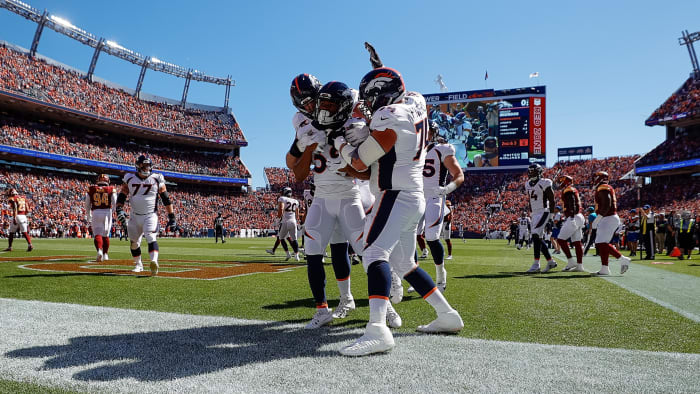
x: 607, y: 65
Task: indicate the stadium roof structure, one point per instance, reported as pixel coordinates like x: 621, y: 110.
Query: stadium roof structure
x: 62, y: 26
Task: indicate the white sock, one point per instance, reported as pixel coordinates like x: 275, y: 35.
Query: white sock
x: 377, y: 310
x: 438, y: 302
x: 344, y: 288
x: 154, y: 255
x: 440, y: 273
x: 137, y: 260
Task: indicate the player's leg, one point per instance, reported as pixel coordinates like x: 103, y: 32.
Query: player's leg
x: 293, y: 236
x: 317, y: 231
x: 105, y: 237
x: 567, y: 231
x: 98, y: 223
x: 11, y: 236
x: 135, y: 230
x: 606, y: 229
x: 150, y: 230
x: 433, y: 226
x: 23, y: 228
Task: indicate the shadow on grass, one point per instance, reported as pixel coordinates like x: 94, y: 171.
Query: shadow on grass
x: 166, y: 355
x: 499, y: 275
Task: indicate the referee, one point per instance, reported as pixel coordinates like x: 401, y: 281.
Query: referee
x: 219, y: 229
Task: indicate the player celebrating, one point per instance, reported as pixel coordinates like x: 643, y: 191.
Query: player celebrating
x: 606, y: 208
x: 439, y: 161
x: 99, y: 208
x: 541, y: 201
x: 572, y: 224
x: 143, y: 189
x: 394, y: 153
x: 287, y: 212
x: 19, y: 207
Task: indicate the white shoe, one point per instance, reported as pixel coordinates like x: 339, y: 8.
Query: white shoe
x: 534, y: 269
x: 376, y: 339
x: 105, y: 257
x: 289, y: 256
x: 138, y: 268
x: 100, y: 255
x: 624, y: 264
x: 270, y: 251
x: 410, y: 290
x: 519, y: 247
x: 571, y: 264
x: 441, y: 286
x: 604, y: 270
x: 322, y: 317
x: 396, y: 293
x: 154, y: 268
x: 393, y: 319
x: 550, y: 265
x: 578, y: 268
x: 344, y: 306
x: 296, y: 256
x: 445, y: 322
x: 424, y: 255
x: 449, y: 257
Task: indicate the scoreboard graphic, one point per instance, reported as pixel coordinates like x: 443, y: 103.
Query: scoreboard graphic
x: 492, y: 128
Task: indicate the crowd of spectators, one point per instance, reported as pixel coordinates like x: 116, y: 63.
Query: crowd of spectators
x: 684, y: 100
x: 278, y: 177
x: 685, y: 145
x: 111, y: 148
x: 52, y: 84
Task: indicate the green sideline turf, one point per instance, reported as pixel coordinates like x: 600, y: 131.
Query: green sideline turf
x: 486, y: 284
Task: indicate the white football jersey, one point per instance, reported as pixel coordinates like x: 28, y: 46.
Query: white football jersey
x: 290, y: 208
x: 402, y: 167
x: 434, y: 170
x: 308, y: 198
x: 524, y: 223
x: 143, y: 193
x: 536, y: 194
x: 326, y: 162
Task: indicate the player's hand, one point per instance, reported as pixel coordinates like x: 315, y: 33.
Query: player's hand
x: 440, y: 191
x: 361, y: 111
x: 172, y: 223
x: 356, y: 133
x: 338, y: 142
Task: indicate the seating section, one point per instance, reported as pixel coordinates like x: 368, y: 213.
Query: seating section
x: 684, y: 103
x: 684, y: 146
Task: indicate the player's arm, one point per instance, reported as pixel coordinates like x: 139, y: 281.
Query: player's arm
x: 165, y: 197
x: 372, y: 149
x: 88, y: 205
x: 113, y: 198
x: 455, y: 171
x: 280, y: 209
x: 351, y: 172
x: 549, y: 196
x: 119, y: 207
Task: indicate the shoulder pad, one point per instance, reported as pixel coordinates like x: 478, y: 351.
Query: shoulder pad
x: 446, y: 149
x: 604, y: 186
x: 545, y: 183
x: 416, y: 99
x: 387, y: 117
x: 299, y: 120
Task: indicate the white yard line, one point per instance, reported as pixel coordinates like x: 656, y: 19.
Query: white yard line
x: 117, y: 350
x: 677, y: 292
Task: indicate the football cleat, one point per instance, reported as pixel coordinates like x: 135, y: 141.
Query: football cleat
x: 604, y: 270
x: 441, y: 286
x: 534, y: 269
x: 396, y: 292
x: 519, y: 247
x: 578, y: 268
x: 624, y: 264
x: 345, y: 305
x: 410, y: 290
x: 289, y: 256
x: 138, y: 268
x: 449, y: 257
x: 550, y: 265
x: 30, y: 248
x: 296, y: 256
x: 8, y: 249
x: 154, y: 268
x: 393, y: 319
x: 376, y: 339
x: 445, y: 322
x: 424, y: 255
x: 105, y: 257
x: 270, y: 251
x: 571, y: 264
x: 322, y: 317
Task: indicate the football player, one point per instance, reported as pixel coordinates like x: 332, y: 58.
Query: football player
x: 541, y: 202
x: 394, y: 153
x: 100, y: 204
x: 143, y: 189
x: 524, y: 227
x: 335, y: 215
x: 572, y: 224
x: 287, y: 212
x: 606, y: 208
x: 19, y: 207
x: 439, y: 162
x: 277, y: 223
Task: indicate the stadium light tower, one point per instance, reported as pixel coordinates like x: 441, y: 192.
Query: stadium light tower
x: 688, y: 39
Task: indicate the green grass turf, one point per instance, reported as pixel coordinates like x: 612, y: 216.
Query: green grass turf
x: 486, y: 284
x: 10, y: 387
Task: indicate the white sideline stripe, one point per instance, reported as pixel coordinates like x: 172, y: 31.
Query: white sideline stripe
x: 672, y: 290
x: 119, y: 350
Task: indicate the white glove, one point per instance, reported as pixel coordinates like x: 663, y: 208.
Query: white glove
x: 356, y: 132
x: 338, y: 142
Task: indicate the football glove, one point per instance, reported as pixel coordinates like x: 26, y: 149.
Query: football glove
x: 338, y: 142
x: 172, y: 223
x: 121, y: 217
x: 356, y: 132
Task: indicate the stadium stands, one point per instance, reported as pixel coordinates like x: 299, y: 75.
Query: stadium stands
x: 55, y: 85
x: 683, y: 146
x: 683, y: 103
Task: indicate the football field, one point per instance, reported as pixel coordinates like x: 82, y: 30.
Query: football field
x: 229, y: 318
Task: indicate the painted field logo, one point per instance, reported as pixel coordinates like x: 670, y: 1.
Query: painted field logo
x: 169, y: 268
